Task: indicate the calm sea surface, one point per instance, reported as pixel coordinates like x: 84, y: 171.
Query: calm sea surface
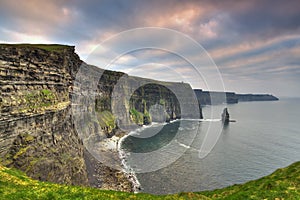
x: 265, y: 136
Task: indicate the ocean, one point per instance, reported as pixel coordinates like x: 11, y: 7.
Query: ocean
x: 265, y: 137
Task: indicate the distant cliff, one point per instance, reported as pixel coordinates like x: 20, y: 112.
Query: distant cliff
x: 256, y: 97
x: 213, y: 98
x: 37, y: 132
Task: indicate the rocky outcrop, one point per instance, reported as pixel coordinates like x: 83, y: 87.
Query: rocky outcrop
x: 225, y: 116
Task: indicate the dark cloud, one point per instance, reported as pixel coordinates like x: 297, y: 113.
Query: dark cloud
x: 269, y: 19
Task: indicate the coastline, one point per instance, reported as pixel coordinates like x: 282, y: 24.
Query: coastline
x: 102, y: 176
x: 105, y: 177
x: 115, y: 178
x: 130, y: 174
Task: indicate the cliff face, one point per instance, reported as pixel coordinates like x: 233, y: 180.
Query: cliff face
x: 256, y: 97
x: 37, y: 127
x: 36, y: 133
x: 126, y: 101
x: 210, y: 97
x: 148, y: 100
x: 155, y: 102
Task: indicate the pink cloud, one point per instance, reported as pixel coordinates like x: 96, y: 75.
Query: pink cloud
x: 38, y: 17
x: 249, y: 46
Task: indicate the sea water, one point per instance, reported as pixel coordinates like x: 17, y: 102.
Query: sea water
x: 265, y: 137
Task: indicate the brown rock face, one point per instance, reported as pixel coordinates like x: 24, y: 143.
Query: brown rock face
x: 36, y: 133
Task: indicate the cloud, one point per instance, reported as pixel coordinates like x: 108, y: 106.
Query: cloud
x: 18, y: 37
x: 35, y: 17
x: 251, y: 46
x: 251, y: 41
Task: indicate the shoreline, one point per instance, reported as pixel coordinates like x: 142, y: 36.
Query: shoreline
x: 102, y: 176
x: 112, y: 146
x: 131, y: 175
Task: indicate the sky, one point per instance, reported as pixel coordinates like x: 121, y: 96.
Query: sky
x: 255, y: 44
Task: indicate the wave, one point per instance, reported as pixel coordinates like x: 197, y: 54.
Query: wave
x: 175, y: 120
x: 211, y: 120
x: 130, y: 174
x: 202, y: 120
x: 183, y: 145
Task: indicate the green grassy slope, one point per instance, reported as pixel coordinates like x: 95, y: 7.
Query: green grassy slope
x: 48, y: 47
x: 282, y: 184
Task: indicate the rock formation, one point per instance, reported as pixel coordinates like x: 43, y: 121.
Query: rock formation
x: 225, y: 116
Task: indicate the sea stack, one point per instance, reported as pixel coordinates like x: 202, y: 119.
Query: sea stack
x: 225, y: 116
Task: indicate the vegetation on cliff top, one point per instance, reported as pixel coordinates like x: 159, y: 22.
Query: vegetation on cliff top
x: 47, y: 47
x: 282, y: 184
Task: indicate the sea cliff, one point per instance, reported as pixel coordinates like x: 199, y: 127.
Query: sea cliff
x: 36, y: 133
x: 213, y: 97
x: 256, y: 97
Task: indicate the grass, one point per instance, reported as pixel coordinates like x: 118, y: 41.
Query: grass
x: 39, y: 99
x: 16, y: 185
x: 282, y: 184
x: 106, y: 119
x: 47, y: 47
x: 137, y: 117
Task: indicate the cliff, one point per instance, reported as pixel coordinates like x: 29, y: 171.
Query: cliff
x: 256, y: 97
x: 120, y: 101
x: 213, y: 98
x: 38, y: 132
